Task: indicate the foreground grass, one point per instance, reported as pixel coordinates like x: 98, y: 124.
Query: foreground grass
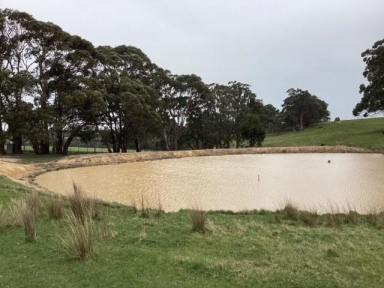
x: 365, y: 133
x: 239, y: 250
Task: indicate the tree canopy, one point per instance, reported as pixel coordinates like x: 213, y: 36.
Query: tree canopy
x: 373, y: 91
x: 301, y: 109
x: 56, y: 87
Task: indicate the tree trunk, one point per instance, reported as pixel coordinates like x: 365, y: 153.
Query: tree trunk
x: 109, y: 148
x: 67, y: 144
x: 237, y: 142
x: 2, y: 140
x: 59, y: 143
x: 301, y: 121
x: 137, y: 145
x: 165, y: 137
x: 44, y: 147
x: 17, y: 144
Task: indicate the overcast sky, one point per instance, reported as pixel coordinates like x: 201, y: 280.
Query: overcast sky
x: 273, y: 45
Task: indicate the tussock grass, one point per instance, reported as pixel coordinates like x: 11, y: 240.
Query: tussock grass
x: 105, y: 231
x: 33, y: 202
x: 55, y: 208
x: 309, y: 218
x: 79, y: 239
x: 5, y: 217
x: 145, y: 212
x: 290, y: 211
x: 199, y: 221
x: 28, y: 217
x: 83, y: 206
x: 159, y: 210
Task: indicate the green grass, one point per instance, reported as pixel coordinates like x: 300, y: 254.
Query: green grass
x: 239, y: 250
x: 364, y: 133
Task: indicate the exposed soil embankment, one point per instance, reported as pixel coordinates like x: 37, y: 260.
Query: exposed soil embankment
x: 15, y: 171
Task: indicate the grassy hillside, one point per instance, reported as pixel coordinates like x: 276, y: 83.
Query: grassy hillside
x: 241, y: 250
x: 365, y: 133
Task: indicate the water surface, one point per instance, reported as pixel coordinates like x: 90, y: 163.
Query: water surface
x: 322, y: 182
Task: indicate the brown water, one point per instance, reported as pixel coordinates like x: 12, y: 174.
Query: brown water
x: 235, y: 182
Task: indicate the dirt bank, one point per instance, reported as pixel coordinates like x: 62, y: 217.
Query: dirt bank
x: 16, y: 171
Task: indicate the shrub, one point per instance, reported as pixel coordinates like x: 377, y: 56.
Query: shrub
x: 199, y: 220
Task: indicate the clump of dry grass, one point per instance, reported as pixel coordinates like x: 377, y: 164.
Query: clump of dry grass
x: 290, y: 211
x: 79, y: 240
x: 5, y: 217
x: 309, y: 218
x: 24, y: 212
x: 159, y: 210
x: 28, y: 218
x: 14, y: 212
x: 55, y: 208
x: 83, y: 206
x: 144, y: 210
x: 105, y: 230
x: 199, y: 220
x: 33, y: 202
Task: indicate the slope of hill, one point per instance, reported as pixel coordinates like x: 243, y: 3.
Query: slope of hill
x: 365, y: 133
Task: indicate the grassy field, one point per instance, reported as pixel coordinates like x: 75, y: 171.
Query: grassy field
x: 242, y: 250
x: 365, y: 133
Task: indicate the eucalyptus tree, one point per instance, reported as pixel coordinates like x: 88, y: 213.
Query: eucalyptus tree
x: 182, y: 97
x: 125, y: 74
x: 15, y: 69
x: 78, y: 102
x: 272, y: 119
x: 373, y: 91
x: 301, y: 109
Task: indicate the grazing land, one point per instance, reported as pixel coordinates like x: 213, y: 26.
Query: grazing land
x: 260, y: 249
x: 364, y: 133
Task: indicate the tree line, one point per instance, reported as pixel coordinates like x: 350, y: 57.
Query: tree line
x: 55, y: 86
